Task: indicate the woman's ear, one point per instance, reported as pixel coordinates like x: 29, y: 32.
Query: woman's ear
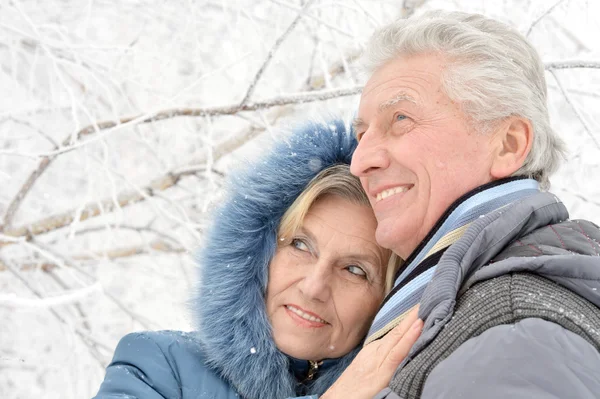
x: 514, y: 139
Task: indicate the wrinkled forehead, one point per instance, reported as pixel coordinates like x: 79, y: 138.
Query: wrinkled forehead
x: 412, y: 79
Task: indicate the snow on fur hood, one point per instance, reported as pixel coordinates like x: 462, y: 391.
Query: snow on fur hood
x: 230, y: 305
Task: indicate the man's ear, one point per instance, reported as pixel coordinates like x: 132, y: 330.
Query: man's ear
x: 513, y: 143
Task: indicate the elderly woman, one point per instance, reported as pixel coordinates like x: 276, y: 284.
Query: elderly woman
x: 290, y: 279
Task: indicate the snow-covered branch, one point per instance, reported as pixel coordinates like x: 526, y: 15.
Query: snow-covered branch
x: 542, y: 16
x: 571, y: 64
x: 575, y: 109
x: 128, y: 198
x: 48, y: 157
x: 65, y: 298
x: 273, y: 50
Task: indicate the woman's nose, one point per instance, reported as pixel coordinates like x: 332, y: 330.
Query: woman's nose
x: 316, y: 284
x: 370, y: 155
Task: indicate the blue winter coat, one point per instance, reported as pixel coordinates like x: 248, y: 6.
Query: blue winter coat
x: 232, y: 352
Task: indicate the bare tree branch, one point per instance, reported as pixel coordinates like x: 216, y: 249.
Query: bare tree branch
x: 318, y: 82
x: 578, y: 92
x: 581, y: 46
x: 571, y: 64
x: 47, y: 158
x: 34, y: 128
x: 69, y: 297
x: 111, y: 254
x: 127, y: 198
x: 580, y: 197
x: 272, y: 52
x: 575, y: 109
x: 409, y: 7
x: 319, y: 20
x: 50, y: 267
x: 92, y: 344
x: 95, y: 208
x: 138, y: 229
x: 61, y: 283
x: 548, y: 11
x: 126, y: 252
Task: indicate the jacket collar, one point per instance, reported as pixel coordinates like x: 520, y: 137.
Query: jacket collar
x: 480, y: 201
x: 421, y: 265
x: 463, y: 263
x: 302, y: 368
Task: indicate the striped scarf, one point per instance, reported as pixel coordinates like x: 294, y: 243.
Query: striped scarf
x: 421, y: 264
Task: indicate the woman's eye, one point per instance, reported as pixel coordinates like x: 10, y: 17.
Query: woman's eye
x: 299, y: 244
x: 356, y: 270
x: 400, y: 117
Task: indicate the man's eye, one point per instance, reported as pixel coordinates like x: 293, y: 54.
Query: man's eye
x: 299, y: 244
x: 359, y: 136
x: 400, y: 117
x: 356, y: 270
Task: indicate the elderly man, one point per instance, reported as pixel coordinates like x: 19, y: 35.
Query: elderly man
x: 455, y: 150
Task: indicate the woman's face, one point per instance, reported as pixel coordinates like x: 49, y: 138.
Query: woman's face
x: 327, y: 283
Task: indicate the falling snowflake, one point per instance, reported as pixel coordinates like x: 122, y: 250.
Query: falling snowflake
x: 315, y: 164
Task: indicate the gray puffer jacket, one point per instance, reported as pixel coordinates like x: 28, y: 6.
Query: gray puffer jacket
x: 513, y: 311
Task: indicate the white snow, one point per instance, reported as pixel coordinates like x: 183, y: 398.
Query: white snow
x: 133, y: 199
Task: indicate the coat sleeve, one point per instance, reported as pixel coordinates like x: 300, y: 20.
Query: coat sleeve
x: 531, y: 359
x: 162, y: 364
x: 139, y: 369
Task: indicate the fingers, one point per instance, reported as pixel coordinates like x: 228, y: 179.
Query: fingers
x: 395, y: 335
x: 400, y: 350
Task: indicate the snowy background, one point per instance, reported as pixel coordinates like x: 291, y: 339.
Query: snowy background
x: 119, y: 121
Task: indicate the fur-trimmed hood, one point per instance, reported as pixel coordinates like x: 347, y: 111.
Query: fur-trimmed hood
x: 229, y: 307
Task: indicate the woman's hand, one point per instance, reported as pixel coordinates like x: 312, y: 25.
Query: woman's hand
x: 375, y: 364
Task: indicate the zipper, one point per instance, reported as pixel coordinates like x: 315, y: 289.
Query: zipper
x: 313, y: 367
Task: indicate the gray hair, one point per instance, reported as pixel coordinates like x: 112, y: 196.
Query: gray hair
x: 491, y: 70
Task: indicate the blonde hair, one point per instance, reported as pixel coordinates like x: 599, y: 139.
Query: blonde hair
x: 334, y: 180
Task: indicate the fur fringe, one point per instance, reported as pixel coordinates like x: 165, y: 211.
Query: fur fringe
x: 229, y: 305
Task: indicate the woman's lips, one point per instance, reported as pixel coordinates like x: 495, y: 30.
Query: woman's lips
x: 304, y: 317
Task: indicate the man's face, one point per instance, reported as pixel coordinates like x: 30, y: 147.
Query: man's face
x: 417, y: 152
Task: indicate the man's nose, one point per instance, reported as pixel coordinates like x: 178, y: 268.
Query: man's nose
x: 316, y: 284
x: 370, y: 155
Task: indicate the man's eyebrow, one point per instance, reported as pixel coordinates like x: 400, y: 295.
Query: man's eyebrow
x: 395, y: 100
x: 356, y: 124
